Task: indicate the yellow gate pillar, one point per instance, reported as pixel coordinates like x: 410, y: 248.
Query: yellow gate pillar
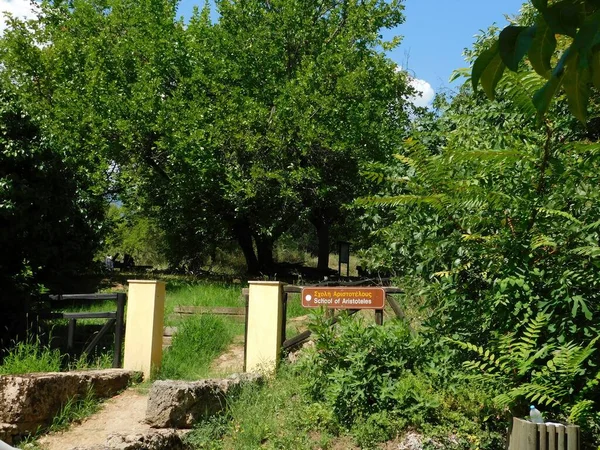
x: 264, y: 325
x: 144, y: 326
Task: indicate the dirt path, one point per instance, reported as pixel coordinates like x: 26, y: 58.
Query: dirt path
x: 123, y: 414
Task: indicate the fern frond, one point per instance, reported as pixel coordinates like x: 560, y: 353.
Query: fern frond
x: 398, y: 200
x: 581, y: 409
x: 563, y: 214
x: 519, y: 88
x: 591, y: 251
x: 541, y: 240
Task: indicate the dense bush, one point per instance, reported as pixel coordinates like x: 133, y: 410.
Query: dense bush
x: 379, y: 381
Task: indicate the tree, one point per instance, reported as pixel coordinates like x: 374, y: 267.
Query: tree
x: 311, y: 99
x: 50, y: 222
x: 218, y: 130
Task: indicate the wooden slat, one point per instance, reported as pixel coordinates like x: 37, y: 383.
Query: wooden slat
x: 551, y: 436
x: 292, y: 289
x: 531, y: 436
x: 572, y: 437
x: 91, y: 297
x: 220, y: 311
x: 543, y: 436
x: 560, y: 438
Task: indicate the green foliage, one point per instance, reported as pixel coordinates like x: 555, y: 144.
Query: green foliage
x: 577, y: 24
x: 217, y: 131
x: 494, y: 223
x: 51, y: 222
x: 136, y: 235
x: 525, y: 369
x: 380, y: 380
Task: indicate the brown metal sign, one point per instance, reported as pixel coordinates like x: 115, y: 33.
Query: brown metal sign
x: 343, y: 297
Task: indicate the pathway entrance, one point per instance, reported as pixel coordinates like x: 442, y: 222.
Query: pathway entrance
x: 123, y: 414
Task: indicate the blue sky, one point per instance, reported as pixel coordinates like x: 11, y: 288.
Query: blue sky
x: 435, y: 34
x: 437, y: 31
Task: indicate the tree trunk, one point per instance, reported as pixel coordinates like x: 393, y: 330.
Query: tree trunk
x: 322, y: 228
x: 244, y: 238
x: 264, y: 248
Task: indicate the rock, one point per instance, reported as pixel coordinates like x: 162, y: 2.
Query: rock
x: 7, y: 432
x: 180, y: 404
x: 155, y: 440
x: 32, y: 400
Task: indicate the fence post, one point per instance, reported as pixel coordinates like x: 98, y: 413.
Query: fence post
x: 119, y: 330
x: 264, y: 328
x: 145, y: 322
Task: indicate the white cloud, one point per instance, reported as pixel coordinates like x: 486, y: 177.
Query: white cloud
x: 18, y: 8
x: 424, y: 89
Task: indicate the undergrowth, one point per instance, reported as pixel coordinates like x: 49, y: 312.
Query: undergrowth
x: 361, y: 385
x: 199, y: 340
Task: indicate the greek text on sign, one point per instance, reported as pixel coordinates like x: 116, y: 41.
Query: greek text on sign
x: 343, y: 298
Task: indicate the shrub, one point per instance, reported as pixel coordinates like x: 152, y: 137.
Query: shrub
x: 380, y: 380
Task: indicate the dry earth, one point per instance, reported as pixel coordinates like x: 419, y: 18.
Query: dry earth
x: 123, y: 414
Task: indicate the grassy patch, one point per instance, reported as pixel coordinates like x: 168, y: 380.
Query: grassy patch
x: 273, y: 416
x: 31, y: 356
x: 75, y: 410
x: 199, y: 340
x: 183, y: 292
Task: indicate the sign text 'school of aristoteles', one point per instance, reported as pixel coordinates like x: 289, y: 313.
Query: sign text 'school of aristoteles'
x: 343, y: 298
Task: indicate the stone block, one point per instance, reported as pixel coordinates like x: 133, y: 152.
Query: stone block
x: 32, y: 400
x: 154, y: 440
x: 181, y: 404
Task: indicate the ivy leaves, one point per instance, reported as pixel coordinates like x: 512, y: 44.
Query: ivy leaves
x: 577, y: 69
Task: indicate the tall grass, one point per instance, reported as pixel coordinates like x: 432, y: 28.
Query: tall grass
x: 194, y: 293
x: 31, y: 356
x: 199, y: 340
x: 275, y: 415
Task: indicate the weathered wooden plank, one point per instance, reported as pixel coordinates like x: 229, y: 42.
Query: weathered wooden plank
x: 91, y: 297
x: 560, y: 438
x: 89, y: 315
x: 542, y: 436
x: 551, y: 436
x: 572, y: 437
x: 292, y: 289
x: 531, y: 435
x: 220, y: 310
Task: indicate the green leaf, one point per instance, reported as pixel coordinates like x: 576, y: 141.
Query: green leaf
x: 482, y: 62
x: 564, y: 17
x: 514, y: 44
x: 540, y: 4
x: 589, y: 33
x: 542, y: 48
x: 492, y: 75
x: 577, y: 88
x: 543, y: 97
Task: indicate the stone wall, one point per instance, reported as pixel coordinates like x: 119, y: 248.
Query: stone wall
x: 30, y: 401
